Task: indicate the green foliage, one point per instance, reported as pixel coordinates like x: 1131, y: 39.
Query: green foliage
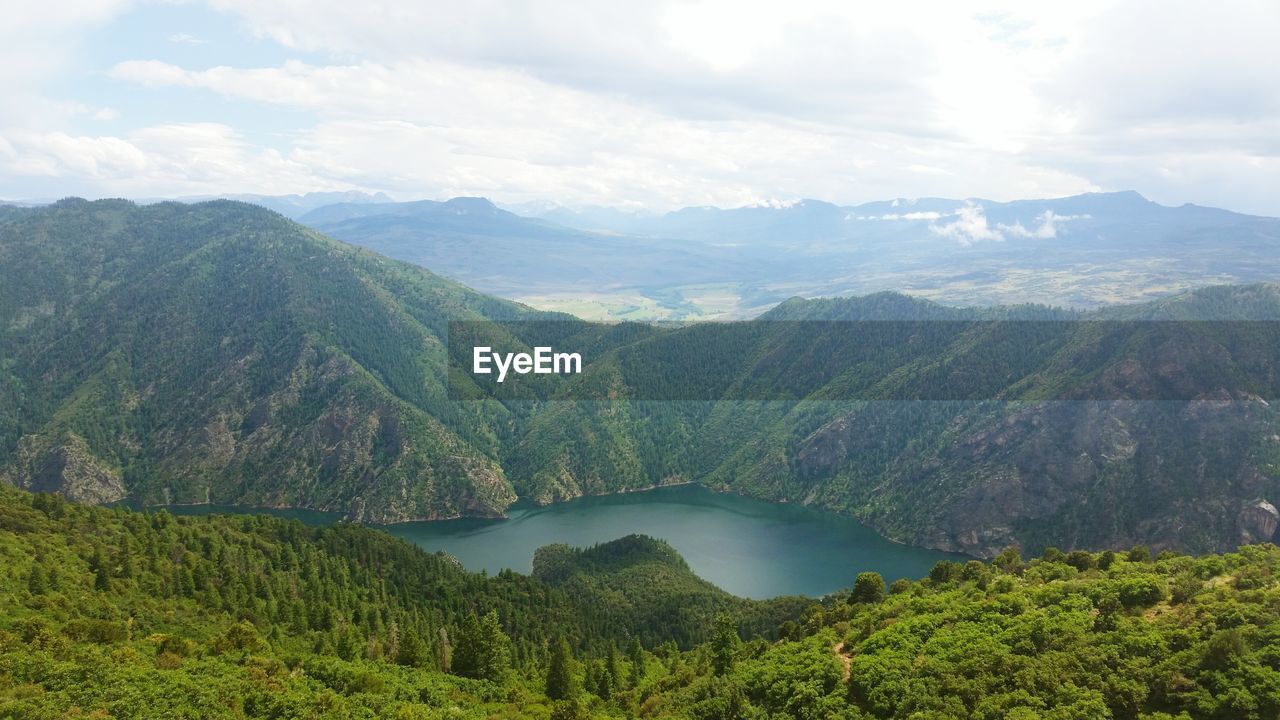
x: 482, y: 650
x: 724, y: 645
x: 868, y: 587
x: 283, y: 620
x: 560, y: 682
x: 1141, y: 590
x: 649, y: 593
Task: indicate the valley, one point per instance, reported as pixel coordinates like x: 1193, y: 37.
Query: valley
x: 219, y: 353
x: 688, y: 360
x: 1085, y: 251
x: 750, y: 548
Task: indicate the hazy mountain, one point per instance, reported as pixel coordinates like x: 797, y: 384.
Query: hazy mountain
x: 497, y: 251
x: 594, y: 218
x: 295, y: 206
x: 1083, y: 251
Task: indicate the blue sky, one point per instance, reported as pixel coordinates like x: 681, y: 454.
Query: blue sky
x: 656, y: 105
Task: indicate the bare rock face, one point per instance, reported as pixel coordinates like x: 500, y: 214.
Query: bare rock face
x: 70, y: 469
x: 1258, y: 522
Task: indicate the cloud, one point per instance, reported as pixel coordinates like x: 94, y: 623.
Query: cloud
x: 163, y: 160
x: 445, y: 128
x: 1047, y: 229
x: 971, y: 226
x: 687, y: 103
x: 185, y: 39
x: 927, y: 215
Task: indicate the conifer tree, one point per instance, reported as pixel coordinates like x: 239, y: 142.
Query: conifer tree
x: 560, y: 671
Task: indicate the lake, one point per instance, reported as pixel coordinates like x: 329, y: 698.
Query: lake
x: 748, y: 547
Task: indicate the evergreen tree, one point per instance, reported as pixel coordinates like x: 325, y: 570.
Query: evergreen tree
x: 101, y: 571
x: 412, y: 651
x: 613, y: 668
x: 635, y: 655
x: 724, y: 645
x: 560, y: 671
x: 483, y: 650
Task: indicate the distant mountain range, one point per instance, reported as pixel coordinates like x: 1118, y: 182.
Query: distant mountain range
x: 1083, y: 251
x: 295, y: 206
x: 703, y: 263
x: 217, y: 352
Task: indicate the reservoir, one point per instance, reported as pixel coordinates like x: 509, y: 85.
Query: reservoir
x: 748, y: 547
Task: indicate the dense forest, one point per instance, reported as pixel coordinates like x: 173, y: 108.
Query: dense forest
x: 109, y: 612
x: 218, y: 352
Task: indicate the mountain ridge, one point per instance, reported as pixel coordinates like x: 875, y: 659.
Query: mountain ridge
x: 220, y: 353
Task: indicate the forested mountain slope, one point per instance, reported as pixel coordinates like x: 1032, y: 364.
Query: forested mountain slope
x: 220, y: 353
x: 958, y: 429
x: 111, y: 612
x: 152, y: 615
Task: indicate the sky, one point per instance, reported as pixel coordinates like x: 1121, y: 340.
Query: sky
x: 653, y: 105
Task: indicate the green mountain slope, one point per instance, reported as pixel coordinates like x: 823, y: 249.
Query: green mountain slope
x: 959, y: 429
x: 218, y: 352
x: 151, y: 615
x: 646, y: 581
x: 115, y: 613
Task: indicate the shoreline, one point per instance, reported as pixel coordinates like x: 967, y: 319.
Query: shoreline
x: 524, y: 502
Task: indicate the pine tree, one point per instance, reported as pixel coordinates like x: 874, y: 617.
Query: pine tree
x: 483, y: 651
x: 124, y: 559
x: 101, y: 571
x: 724, y: 645
x: 560, y: 671
x: 635, y: 654
x: 412, y: 651
x: 612, y: 667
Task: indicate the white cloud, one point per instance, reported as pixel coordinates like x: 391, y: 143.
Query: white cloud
x: 715, y: 102
x: 970, y: 226
x: 927, y: 215
x: 1046, y: 230
x: 162, y: 160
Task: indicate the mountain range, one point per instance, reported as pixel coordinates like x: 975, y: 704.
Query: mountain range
x: 1083, y: 251
x: 217, y: 352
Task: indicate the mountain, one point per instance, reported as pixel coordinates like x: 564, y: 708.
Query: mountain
x: 220, y: 353
x: 1084, y: 251
x: 496, y: 251
x: 959, y: 429
x: 295, y: 206
x: 217, y: 352
x: 115, y: 613
x: 646, y: 579
x: 594, y: 218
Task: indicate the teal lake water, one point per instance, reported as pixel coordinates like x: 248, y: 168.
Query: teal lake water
x: 748, y: 547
